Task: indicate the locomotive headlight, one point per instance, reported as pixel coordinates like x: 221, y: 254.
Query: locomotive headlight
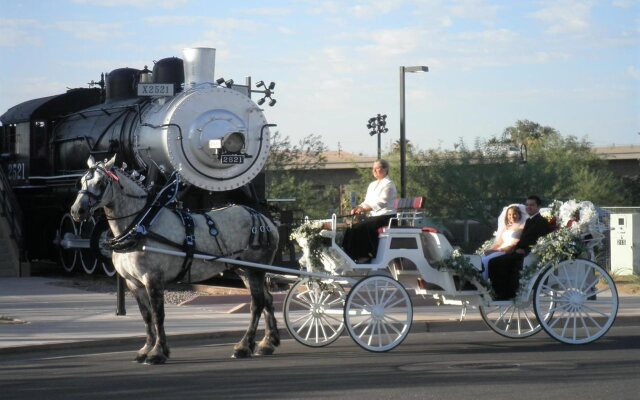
x: 233, y: 142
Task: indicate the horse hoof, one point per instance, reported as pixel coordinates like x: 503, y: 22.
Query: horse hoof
x: 155, y: 360
x: 265, y: 351
x: 241, y: 353
x: 140, y: 358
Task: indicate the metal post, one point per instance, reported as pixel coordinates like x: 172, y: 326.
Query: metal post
x: 379, y: 145
x: 403, y: 149
x: 403, y: 140
x: 120, y: 308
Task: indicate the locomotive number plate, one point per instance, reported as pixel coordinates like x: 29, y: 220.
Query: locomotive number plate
x: 155, y: 89
x: 232, y: 159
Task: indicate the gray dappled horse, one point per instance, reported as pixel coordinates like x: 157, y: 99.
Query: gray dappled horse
x: 110, y: 188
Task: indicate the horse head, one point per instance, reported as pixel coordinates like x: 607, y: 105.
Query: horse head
x: 96, y: 189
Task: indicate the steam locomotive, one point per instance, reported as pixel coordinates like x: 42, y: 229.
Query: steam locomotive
x: 176, y: 117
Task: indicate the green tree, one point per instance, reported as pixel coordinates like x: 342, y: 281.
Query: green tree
x: 285, y: 180
x: 477, y: 182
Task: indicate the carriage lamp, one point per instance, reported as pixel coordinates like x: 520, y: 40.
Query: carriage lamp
x: 233, y: 142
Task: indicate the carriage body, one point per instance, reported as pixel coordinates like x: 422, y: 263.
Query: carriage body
x: 575, y: 300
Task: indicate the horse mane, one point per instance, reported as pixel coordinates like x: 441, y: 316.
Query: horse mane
x: 133, y: 179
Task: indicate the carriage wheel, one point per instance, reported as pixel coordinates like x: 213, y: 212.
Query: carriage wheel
x: 313, y: 312
x: 68, y: 229
x: 516, y: 320
x: 87, y: 256
x: 378, y: 313
x: 582, y: 297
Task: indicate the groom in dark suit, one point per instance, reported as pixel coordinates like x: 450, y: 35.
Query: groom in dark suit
x: 504, y: 271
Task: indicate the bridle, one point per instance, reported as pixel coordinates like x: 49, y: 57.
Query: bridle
x: 97, y: 198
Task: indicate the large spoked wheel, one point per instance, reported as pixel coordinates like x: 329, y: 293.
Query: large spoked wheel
x: 68, y: 230
x: 378, y: 313
x: 88, y: 258
x: 583, y: 300
x: 515, y: 320
x: 313, y: 312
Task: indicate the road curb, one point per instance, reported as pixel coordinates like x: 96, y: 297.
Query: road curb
x: 418, y: 326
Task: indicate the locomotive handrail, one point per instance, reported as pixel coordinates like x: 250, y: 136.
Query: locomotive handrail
x: 11, y: 211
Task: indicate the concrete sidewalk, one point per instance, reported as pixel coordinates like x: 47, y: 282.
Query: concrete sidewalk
x: 37, y: 312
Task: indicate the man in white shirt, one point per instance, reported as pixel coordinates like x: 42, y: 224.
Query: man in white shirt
x: 361, y: 240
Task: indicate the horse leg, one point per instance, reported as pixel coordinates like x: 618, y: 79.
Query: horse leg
x: 160, y: 351
x: 271, y: 339
x: 253, y: 280
x: 145, y: 310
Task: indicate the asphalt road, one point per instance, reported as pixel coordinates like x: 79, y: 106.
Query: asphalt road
x: 434, y: 365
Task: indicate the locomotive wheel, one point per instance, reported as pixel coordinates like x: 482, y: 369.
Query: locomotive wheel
x: 87, y: 256
x: 582, y: 297
x: 515, y: 320
x: 378, y: 313
x: 68, y: 229
x: 313, y: 312
x: 108, y: 268
x: 101, y: 233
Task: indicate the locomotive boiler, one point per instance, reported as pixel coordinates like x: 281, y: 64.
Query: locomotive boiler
x: 177, y: 117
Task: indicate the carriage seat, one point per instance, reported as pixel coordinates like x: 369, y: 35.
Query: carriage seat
x: 409, y: 211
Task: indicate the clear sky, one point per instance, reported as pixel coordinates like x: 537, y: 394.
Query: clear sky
x: 572, y: 65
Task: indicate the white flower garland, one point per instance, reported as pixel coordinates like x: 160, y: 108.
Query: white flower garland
x: 308, y: 237
x: 460, y: 265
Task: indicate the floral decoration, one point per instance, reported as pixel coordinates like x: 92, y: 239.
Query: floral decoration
x: 309, y: 233
x: 486, y: 246
x: 573, y: 220
x: 460, y: 265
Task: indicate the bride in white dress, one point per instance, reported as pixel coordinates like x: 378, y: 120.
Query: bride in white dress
x: 510, y: 225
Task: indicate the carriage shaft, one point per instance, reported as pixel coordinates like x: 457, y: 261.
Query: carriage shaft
x: 271, y: 268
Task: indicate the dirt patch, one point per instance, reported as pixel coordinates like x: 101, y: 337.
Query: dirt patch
x: 628, y: 285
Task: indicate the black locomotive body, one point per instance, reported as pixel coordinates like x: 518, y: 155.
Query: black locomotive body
x: 174, y: 118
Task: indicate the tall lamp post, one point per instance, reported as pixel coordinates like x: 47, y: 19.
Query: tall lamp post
x: 377, y: 126
x: 403, y: 140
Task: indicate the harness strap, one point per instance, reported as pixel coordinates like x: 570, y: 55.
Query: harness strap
x: 189, y: 244
x: 259, y: 229
x: 145, y: 219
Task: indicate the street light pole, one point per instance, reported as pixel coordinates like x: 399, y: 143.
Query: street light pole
x: 403, y: 140
x: 377, y: 126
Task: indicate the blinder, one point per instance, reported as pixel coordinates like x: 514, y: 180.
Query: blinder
x: 97, y: 198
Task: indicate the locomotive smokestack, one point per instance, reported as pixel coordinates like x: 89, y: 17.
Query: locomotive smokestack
x: 199, y: 65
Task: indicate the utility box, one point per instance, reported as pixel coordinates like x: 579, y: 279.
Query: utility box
x: 625, y: 244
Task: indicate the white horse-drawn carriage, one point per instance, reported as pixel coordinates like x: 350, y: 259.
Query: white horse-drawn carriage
x: 575, y: 301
